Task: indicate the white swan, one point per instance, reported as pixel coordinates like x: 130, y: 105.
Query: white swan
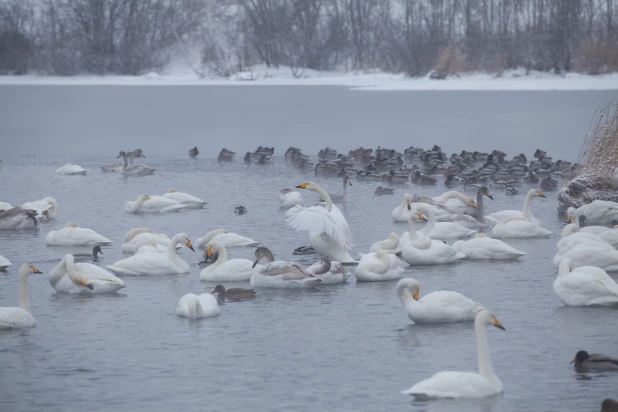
x: 518, y: 228
x: 5, y: 206
x: 390, y: 245
x: 584, y: 285
x: 571, y: 236
x: 229, y: 240
x: 167, y: 263
x: 329, y: 233
x: 223, y: 270
x: 426, y: 251
x: 4, y: 263
x: 328, y: 271
x: 610, y: 236
x: 71, y: 277
x: 138, y: 235
x: 439, y: 230
x: 289, y: 197
x: 401, y: 212
x: 193, y: 306
x: 485, y: 248
x: 436, y: 307
x: 456, y: 202
x: 133, y: 170
x: 281, y: 274
x: 378, y: 266
x: 20, y: 317
x: 186, y: 199
x: 152, y: 204
x: 18, y: 218
x: 46, y: 208
x: 576, y: 218
x: 71, y: 170
x: 599, y: 212
x: 465, y: 384
x: 526, y: 213
x: 71, y: 235
x: 601, y: 255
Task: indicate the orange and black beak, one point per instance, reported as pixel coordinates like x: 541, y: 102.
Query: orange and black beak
x: 189, y: 245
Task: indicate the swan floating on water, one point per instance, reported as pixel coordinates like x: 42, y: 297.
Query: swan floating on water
x: 281, y: 274
x: 439, y: 230
x: 4, y: 263
x: 517, y: 227
x: 193, y: 306
x: 71, y: 235
x: 137, y: 236
x: 289, y: 198
x: 70, y: 277
x: 416, y: 250
x: 18, y: 218
x: 46, y: 208
x: 484, y: 248
x: 401, y: 212
x: 229, y: 240
x: 20, y: 317
x: 584, y: 285
x: 134, y: 170
x: 330, y: 272
x: 152, y: 204
x: 186, y: 199
x: 378, y: 266
x: 224, y: 270
x: 71, y: 170
x: 526, y: 214
x: 390, y: 245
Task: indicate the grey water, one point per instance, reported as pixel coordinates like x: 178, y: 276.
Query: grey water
x: 343, y: 347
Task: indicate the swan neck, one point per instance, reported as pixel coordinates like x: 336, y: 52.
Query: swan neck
x: 75, y: 278
x: 565, y: 267
x: 137, y: 205
x: 412, y: 228
x: 171, y: 248
x: 527, y: 211
x: 404, y: 292
x: 126, y: 162
x: 193, y: 308
x: 24, y: 298
x: 431, y: 222
x: 326, y: 197
x: 385, y: 262
x: 480, y: 208
x: 58, y: 272
x: 486, y: 368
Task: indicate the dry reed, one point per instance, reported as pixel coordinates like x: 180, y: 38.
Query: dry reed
x: 599, y: 154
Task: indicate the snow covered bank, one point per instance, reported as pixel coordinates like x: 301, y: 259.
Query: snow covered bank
x: 263, y: 76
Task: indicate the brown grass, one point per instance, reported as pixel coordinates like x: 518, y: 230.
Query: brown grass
x: 596, y: 57
x: 450, y: 62
x: 599, y: 154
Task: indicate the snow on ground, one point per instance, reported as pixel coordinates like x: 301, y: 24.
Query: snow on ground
x: 264, y: 76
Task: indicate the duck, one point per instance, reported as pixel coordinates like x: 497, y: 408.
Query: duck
x: 194, y: 152
x: 18, y: 218
x: 71, y: 170
x: 329, y: 232
x: 190, y: 201
x: 465, y: 384
x: 193, y: 306
x: 584, y: 285
x: 609, y: 405
x: 390, y: 245
x: 400, y: 213
x: 224, y: 270
x: 383, y: 191
x: 233, y: 294
x: 378, y: 266
x: 601, y: 255
x: 584, y: 361
x: 20, y: 317
x: 227, y: 239
x: 4, y: 263
x: 336, y: 197
x: 416, y: 250
x: 436, y: 307
x: 518, y: 228
x: 240, y: 210
x: 134, y: 170
x: 439, y: 230
x: 482, y: 247
x: 70, y: 277
x: 167, y: 263
x: 328, y: 271
x: 280, y: 274
x: 136, y: 236
x: 289, y: 197
x: 89, y: 257
x: 71, y: 235
x: 152, y: 204
x: 46, y: 208
x: 526, y: 213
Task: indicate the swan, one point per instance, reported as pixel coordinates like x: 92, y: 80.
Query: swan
x: 46, y: 208
x: 155, y: 263
x: 610, y: 236
x: 390, y: 245
x: 18, y: 218
x: 485, y: 248
x: 224, y: 270
x: 401, y: 212
x: 5, y: 206
x: 70, y: 277
x: 4, y: 263
x: 576, y: 218
x: 145, y: 246
x: 71, y: 235
x: 571, y: 235
x: 457, y: 203
x: 600, y: 212
x: 329, y: 233
x: 136, y: 236
x: 229, y: 240
x: 20, y: 317
x: 280, y: 274
x: 436, y: 307
x: 71, y: 170
x: 186, y: 199
x: 426, y: 251
x: 439, y: 230
x: 378, y: 266
x: 336, y: 197
x: 133, y: 170
x: 525, y: 214
x: 465, y: 384
x: 584, y: 285
x: 193, y: 306
x: 289, y: 198
x: 601, y: 255
x: 330, y: 272
x: 519, y: 228
x: 152, y: 204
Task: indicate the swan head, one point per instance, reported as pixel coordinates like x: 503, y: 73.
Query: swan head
x: 27, y: 269
x: 212, y: 248
x: 539, y: 193
x: 394, y: 237
x: 122, y: 153
x: 309, y: 186
x: 488, y: 319
x: 262, y: 252
x: 346, y: 180
x: 484, y: 191
x: 407, y: 200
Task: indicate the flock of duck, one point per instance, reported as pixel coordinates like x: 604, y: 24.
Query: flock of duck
x: 585, y: 253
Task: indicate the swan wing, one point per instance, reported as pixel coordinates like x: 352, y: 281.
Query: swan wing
x: 285, y: 270
x: 453, y: 385
x: 92, y: 272
x: 343, y: 224
x: 14, y: 317
x: 317, y: 219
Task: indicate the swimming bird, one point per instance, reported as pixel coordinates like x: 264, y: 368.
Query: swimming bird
x: 194, y: 152
x: 89, y: 257
x: 224, y: 270
x: 240, y: 210
x: 70, y: 277
x: 4, y: 263
x: 439, y: 230
x: 193, y: 306
x: 518, y: 227
x: 390, y: 245
x: 482, y: 247
x: 71, y: 235
x: 227, y: 239
x: 233, y: 294
x: 186, y: 199
x: 336, y: 197
x: 20, y: 317
x: 71, y: 170
x: 526, y: 213
x: 18, y: 218
x: 328, y: 271
x: 584, y: 285
x: 152, y: 204
x: 137, y: 236
x: 609, y: 405
x: 133, y: 170
x: 417, y: 250
x: 46, y: 208
x: 401, y: 212
x: 584, y: 361
x: 378, y: 266
x: 280, y: 274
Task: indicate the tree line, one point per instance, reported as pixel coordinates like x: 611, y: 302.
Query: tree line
x: 416, y: 37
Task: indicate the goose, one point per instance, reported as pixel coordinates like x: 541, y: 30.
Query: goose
x: 329, y: 233
x: 401, y: 212
x: 18, y: 218
x: 596, y: 254
x: 336, y: 197
x: 89, y: 257
x: 133, y: 170
x: 584, y: 285
x: 439, y: 230
x: 280, y: 274
x: 46, y: 208
x: 193, y: 306
x: 518, y: 228
x: 289, y: 197
x: 234, y: 294
x: 525, y: 214
x: 4, y: 263
x: 224, y: 270
x: 378, y: 266
x: 155, y: 263
x: 465, y: 384
x: 71, y: 235
x: 71, y: 170
x: 441, y: 306
x: 229, y: 240
x: 70, y: 277
x: 584, y: 361
x: 426, y: 251
x: 152, y: 204
x: 194, y: 152
x: 136, y: 236
x: 20, y: 317
x: 456, y: 202
x: 186, y: 199
x: 330, y: 272
x: 390, y: 245
x: 485, y: 248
